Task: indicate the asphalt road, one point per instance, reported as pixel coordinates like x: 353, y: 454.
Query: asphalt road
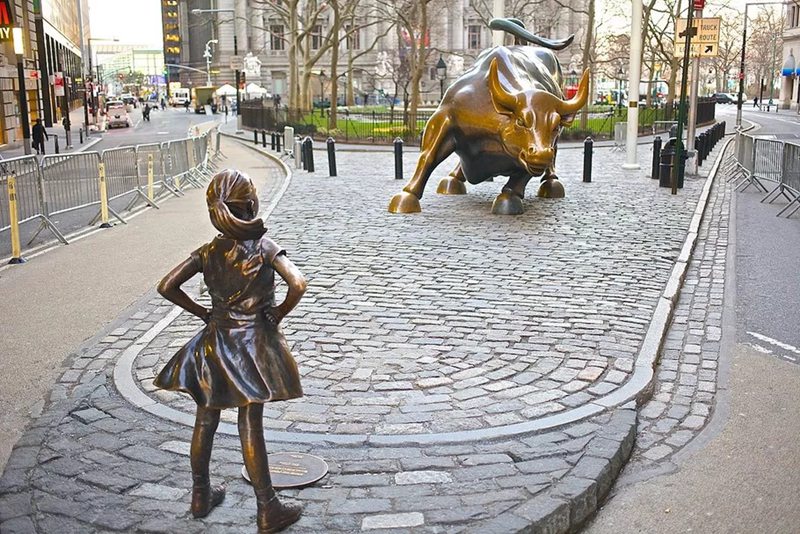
x: 767, y: 292
x: 742, y: 473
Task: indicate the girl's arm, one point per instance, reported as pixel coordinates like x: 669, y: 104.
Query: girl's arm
x: 296, y: 282
x: 170, y: 289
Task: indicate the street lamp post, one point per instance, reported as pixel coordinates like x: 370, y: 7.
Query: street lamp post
x: 620, y: 79
x: 207, y: 54
x: 741, y: 62
x: 238, y: 72
x: 19, y: 50
x: 321, y: 92
x: 441, y: 73
x: 97, y: 79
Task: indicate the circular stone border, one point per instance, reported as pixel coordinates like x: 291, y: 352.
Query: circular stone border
x: 638, y: 388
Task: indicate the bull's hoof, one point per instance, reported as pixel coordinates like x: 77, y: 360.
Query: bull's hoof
x: 404, y: 202
x: 551, y: 188
x: 451, y: 186
x: 507, y: 203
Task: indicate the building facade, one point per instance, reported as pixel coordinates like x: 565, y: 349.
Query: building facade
x: 790, y: 73
x: 458, y: 32
x: 52, y: 34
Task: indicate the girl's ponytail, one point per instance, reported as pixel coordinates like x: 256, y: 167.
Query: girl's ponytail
x: 230, y: 187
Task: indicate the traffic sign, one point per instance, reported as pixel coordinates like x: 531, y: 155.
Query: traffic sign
x: 698, y: 50
x: 706, y: 31
x: 237, y: 62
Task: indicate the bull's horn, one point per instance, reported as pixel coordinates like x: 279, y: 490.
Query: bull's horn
x: 571, y: 106
x: 500, y: 96
x: 513, y: 27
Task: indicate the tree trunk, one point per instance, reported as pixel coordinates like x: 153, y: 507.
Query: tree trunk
x: 337, y: 23
x: 350, y: 91
x: 419, y: 53
x: 586, y: 60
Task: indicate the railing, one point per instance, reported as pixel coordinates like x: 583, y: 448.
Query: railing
x: 356, y: 125
x: 764, y: 163
x: 38, y: 189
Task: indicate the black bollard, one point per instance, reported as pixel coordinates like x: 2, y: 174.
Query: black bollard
x: 80, y: 134
x: 278, y: 139
x: 587, y: 160
x: 303, y: 155
x: 698, y: 148
x: 255, y: 136
x: 55, y: 141
x: 656, y: 157
x: 398, y: 159
x: 264, y: 138
x: 331, y: 156
x: 272, y: 141
x: 309, y: 144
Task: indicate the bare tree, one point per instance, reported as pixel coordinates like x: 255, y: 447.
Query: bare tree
x: 764, y: 47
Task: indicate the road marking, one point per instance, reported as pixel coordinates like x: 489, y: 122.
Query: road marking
x: 162, y: 133
x: 759, y: 348
x: 775, y: 342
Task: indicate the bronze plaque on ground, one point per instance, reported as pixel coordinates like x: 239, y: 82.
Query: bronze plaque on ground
x: 293, y: 469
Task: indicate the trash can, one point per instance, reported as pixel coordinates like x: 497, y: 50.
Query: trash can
x: 668, y: 161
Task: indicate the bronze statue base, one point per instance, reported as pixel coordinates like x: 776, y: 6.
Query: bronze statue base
x: 451, y: 186
x: 507, y: 203
x: 551, y: 188
x: 404, y: 202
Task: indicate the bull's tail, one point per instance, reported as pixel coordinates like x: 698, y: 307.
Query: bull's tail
x: 516, y: 28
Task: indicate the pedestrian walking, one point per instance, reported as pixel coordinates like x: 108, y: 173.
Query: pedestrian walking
x: 186, y: 105
x: 755, y: 101
x: 39, y: 135
x: 240, y: 359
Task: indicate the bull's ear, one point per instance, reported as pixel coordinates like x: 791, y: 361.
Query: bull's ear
x: 504, y: 101
x: 566, y: 120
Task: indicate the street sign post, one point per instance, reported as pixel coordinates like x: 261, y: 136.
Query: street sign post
x: 705, y: 37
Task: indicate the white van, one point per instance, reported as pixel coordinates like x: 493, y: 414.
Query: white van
x: 180, y: 97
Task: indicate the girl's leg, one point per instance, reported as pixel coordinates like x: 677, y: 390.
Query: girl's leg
x: 204, y: 497
x: 272, y: 515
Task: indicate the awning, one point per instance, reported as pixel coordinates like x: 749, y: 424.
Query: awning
x: 254, y: 89
x: 789, y: 66
x: 226, y: 90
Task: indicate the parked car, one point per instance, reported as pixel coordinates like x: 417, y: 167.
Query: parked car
x: 117, y: 115
x: 724, y: 98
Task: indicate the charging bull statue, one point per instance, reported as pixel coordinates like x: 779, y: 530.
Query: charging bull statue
x: 502, y: 117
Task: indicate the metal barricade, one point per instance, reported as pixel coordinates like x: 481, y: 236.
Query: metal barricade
x: 767, y: 161
x: 745, y: 158
x: 790, y: 181
x: 29, y: 201
x: 620, y: 135
x: 161, y: 183
x: 69, y: 182
x: 122, y: 174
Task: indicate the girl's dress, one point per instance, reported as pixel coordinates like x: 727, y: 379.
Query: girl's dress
x: 239, y: 357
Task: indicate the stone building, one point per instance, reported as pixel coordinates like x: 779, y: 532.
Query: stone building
x: 458, y: 33
x: 790, y: 73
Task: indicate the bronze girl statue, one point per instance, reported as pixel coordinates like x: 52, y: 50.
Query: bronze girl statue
x: 240, y: 358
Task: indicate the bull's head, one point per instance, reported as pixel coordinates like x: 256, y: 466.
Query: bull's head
x: 534, y: 120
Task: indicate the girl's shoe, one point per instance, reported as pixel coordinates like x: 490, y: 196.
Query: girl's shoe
x: 205, y: 498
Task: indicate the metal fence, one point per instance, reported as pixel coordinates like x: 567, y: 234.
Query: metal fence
x: 370, y: 126
x: 63, y: 183
x: 760, y: 162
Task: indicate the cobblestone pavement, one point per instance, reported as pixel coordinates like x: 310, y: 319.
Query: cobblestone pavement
x: 688, y: 371
x: 451, y: 320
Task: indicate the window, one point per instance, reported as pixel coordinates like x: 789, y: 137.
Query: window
x: 316, y: 37
x: 433, y: 73
x: 354, y: 38
x: 474, y: 37
x: 276, y: 41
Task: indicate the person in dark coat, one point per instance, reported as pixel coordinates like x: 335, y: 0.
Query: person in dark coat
x: 39, y: 135
x: 240, y: 359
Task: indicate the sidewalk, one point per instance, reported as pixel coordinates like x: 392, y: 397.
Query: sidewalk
x: 447, y: 393
x: 76, y: 121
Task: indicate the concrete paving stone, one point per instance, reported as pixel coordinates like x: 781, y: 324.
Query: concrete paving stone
x: 158, y: 492
x: 19, y: 525
x: 482, y: 459
x: 404, y: 478
x: 403, y: 520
